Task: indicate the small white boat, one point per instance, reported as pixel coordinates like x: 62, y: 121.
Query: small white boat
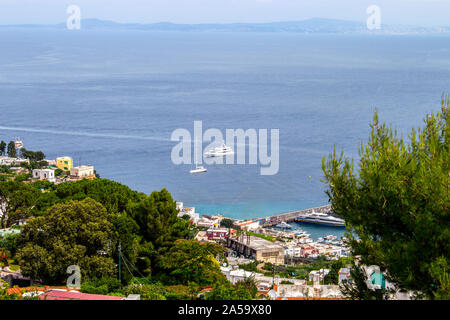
x: 221, y: 151
x: 198, y: 169
x: 302, y: 234
x: 284, y: 225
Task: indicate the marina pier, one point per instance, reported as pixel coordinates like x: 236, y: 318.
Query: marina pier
x: 290, y: 216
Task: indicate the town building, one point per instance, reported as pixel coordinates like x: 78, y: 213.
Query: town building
x: 201, y: 236
x: 344, y: 275
x: 82, y: 172
x: 302, y: 292
x: 217, y: 234
x: 235, y: 275
x: 190, y: 211
x: 64, y: 163
x: 257, y: 248
x: 309, y: 251
x: 44, y: 174
x: 318, y: 275
x: 7, y: 161
x: 248, y: 225
x: 208, y: 222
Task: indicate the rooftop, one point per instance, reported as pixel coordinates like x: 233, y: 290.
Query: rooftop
x: 257, y: 243
x: 75, y: 295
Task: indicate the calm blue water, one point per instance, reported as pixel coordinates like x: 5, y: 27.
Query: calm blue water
x: 112, y: 99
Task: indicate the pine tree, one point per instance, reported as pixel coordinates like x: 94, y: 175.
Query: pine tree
x: 2, y: 148
x: 397, y: 203
x: 12, y: 152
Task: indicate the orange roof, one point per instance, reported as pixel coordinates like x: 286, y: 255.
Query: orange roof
x: 18, y: 291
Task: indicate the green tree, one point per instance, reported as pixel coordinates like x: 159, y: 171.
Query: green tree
x: 73, y: 233
x: 357, y: 288
x: 242, y: 290
x: 193, y: 261
x: 126, y: 234
x: 115, y: 197
x: 2, y: 148
x: 103, y: 286
x: 333, y: 276
x: 147, y: 291
x: 159, y: 226
x: 12, y: 152
x: 35, y: 156
x: 397, y: 203
x: 227, y: 223
x: 18, y: 200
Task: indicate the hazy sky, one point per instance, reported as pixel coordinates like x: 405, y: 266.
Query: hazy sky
x: 415, y: 12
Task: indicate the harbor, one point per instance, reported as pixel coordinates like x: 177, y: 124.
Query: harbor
x: 288, y: 217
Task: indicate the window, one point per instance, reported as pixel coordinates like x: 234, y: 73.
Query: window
x: 270, y: 254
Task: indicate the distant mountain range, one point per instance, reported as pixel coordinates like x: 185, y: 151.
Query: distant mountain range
x: 310, y: 26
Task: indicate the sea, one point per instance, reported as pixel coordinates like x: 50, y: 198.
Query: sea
x: 112, y: 99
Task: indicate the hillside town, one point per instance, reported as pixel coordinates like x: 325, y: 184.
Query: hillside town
x: 283, y: 264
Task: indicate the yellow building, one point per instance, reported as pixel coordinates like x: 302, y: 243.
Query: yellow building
x: 64, y: 163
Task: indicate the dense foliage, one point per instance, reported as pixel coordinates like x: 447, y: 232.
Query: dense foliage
x: 83, y: 223
x: 193, y: 261
x: 397, y: 203
x: 242, y: 290
x: 72, y: 233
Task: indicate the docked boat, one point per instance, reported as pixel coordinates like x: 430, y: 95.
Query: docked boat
x: 320, y: 218
x: 283, y: 225
x: 301, y: 234
x: 221, y: 151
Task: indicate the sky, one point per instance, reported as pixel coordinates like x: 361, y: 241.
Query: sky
x: 396, y: 12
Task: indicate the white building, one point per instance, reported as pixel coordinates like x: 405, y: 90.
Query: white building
x: 206, y: 222
x: 7, y: 161
x: 44, y: 174
x: 318, y: 275
x: 82, y: 171
x: 248, y: 225
x: 344, y: 275
x: 190, y: 211
x: 293, y: 251
x: 236, y: 275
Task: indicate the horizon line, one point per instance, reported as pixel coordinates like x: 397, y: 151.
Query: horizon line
x: 220, y: 23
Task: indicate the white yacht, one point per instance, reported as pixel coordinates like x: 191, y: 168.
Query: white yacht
x: 321, y: 218
x: 221, y: 151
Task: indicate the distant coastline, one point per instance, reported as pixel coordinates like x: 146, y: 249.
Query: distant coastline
x: 309, y: 26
